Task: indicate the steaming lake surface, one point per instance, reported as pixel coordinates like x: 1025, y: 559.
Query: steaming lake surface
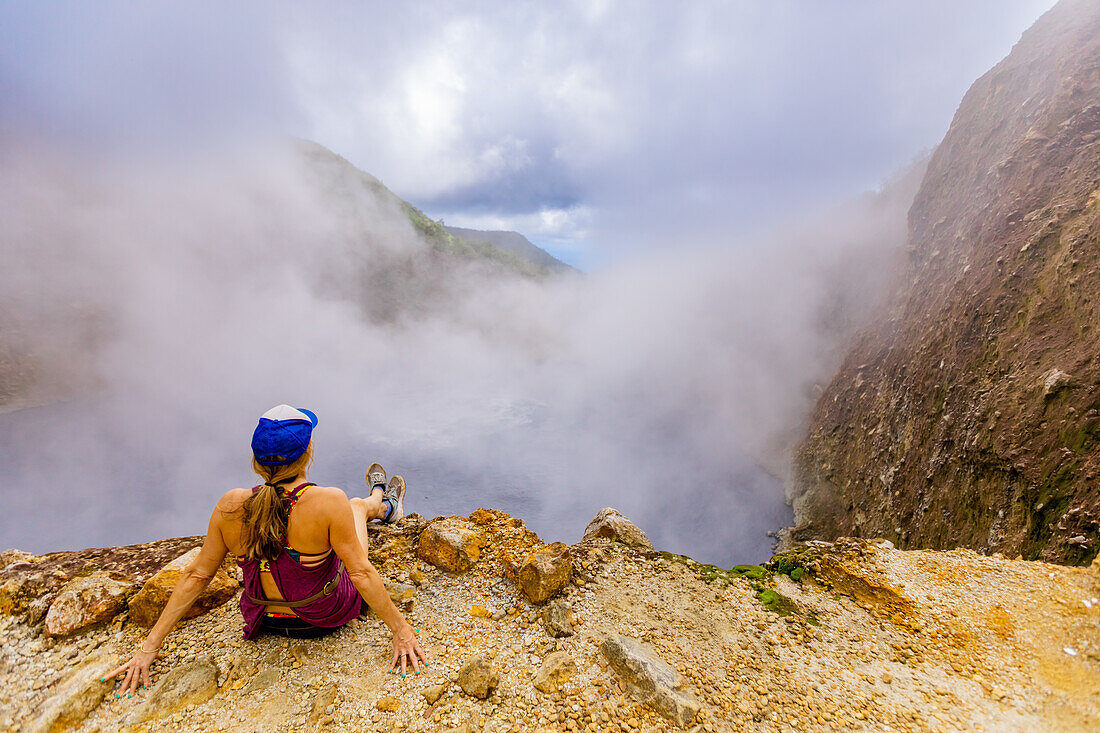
x: 100, y: 472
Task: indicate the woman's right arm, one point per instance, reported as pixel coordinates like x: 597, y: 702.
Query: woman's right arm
x: 193, y: 581
x: 345, y: 542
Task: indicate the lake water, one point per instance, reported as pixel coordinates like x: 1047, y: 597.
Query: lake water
x: 96, y: 472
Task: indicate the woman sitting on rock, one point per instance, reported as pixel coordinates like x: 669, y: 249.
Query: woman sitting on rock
x: 302, y: 549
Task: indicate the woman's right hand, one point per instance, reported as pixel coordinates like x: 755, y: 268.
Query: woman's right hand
x: 407, y: 651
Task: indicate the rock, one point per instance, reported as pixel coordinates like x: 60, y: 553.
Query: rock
x: 416, y: 577
x: 88, y: 600
x: 651, y: 678
x: 146, y: 606
x: 276, y: 657
x: 29, y: 580
x: 678, y: 707
x: 25, y: 587
x: 637, y: 664
x: 185, y: 685
x: 477, y: 678
x: 325, y: 697
x: 545, y: 572
x: 240, y: 669
x: 557, y: 669
x: 76, y: 696
x: 299, y: 652
x: 8, y: 558
x: 37, y: 609
x: 558, y: 619
x: 433, y: 693
x: 847, y: 574
x: 453, y: 544
x: 388, y: 704
x: 1054, y: 381
x: 612, y: 525
x: 399, y: 592
x: 265, y: 679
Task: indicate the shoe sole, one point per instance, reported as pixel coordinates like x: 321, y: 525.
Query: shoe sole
x: 370, y: 470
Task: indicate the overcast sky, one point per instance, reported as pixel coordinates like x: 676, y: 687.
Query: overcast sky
x: 599, y: 129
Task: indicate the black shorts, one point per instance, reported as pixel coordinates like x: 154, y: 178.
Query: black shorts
x: 294, y: 627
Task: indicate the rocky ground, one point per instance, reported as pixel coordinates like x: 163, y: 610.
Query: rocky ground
x: 853, y: 635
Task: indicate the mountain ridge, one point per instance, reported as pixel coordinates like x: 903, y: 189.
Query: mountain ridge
x: 528, y: 261
x: 511, y: 241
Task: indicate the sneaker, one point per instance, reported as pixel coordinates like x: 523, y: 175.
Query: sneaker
x: 375, y: 475
x: 395, y: 495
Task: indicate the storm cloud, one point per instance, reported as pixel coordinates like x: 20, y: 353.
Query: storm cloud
x: 603, y: 126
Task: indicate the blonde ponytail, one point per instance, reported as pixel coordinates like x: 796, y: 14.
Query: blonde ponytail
x: 265, y: 513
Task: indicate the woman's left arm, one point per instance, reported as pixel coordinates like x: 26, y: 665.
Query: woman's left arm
x: 196, y: 576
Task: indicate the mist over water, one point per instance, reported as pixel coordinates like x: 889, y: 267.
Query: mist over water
x: 173, y: 299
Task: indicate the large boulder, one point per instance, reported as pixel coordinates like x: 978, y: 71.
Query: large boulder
x: 88, y: 600
x: 74, y: 699
x: 610, y: 524
x: 324, y: 698
x: 29, y: 583
x: 13, y: 557
x: 650, y: 678
x: 557, y: 618
x: 453, y: 544
x: 184, y: 686
x: 146, y: 606
x: 545, y: 572
x: 557, y: 669
x: 478, y: 678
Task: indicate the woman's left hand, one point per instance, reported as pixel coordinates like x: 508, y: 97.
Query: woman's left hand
x: 407, y: 651
x: 137, y: 670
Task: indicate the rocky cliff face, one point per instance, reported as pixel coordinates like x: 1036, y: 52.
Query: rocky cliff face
x: 604, y: 635
x: 968, y: 415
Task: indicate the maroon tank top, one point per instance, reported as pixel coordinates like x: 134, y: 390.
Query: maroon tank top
x: 297, y: 582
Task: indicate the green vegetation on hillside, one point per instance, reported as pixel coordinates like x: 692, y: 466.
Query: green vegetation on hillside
x: 345, y: 185
x: 443, y: 241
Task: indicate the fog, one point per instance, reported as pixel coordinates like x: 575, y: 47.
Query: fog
x: 163, y: 302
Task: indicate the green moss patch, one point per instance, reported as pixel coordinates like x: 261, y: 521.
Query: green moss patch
x: 790, y: 564
x: 752, y: 572
x: 759, y: 578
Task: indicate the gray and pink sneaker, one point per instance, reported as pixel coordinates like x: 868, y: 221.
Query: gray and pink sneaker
x: 395, y: 495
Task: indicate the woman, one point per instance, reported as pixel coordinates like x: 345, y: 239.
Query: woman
x: 302, y: 549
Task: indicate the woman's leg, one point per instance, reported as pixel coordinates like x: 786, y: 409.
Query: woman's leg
x: 373, y: 507
x: 365, y: 510
x: 359, y: 510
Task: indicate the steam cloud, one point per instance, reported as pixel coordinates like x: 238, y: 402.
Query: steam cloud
x: 174, y: 302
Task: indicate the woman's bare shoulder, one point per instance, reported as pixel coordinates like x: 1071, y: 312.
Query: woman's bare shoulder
x: 327, y: 493
x: 233, y: 499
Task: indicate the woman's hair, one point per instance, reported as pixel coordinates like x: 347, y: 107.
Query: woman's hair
x: 265, y: 513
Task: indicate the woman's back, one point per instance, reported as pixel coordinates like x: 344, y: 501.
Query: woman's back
x: 305, y: 568
x: 307, y: 521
